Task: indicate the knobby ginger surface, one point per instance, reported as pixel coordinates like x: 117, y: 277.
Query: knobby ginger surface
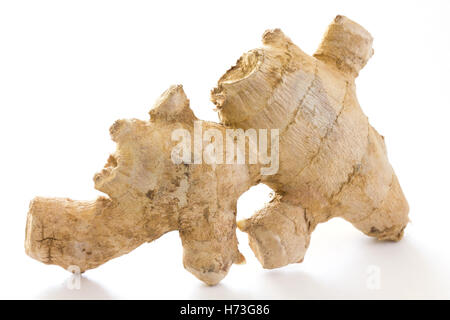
x: 332, y: 163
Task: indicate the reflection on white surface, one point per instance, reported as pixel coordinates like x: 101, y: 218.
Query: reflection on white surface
x: 88, y: 289
x: 335, y: 267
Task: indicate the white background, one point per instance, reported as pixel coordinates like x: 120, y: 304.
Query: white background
x: 69, y: 69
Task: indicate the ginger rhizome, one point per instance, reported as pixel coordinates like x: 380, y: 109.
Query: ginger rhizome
x: 149, y: 195
x: 331, y: 163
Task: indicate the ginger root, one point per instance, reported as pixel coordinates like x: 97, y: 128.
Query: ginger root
x: 149, y: 195
x: 332, y: 163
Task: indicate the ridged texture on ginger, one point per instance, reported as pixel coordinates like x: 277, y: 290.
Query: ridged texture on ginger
x: 333, y: 163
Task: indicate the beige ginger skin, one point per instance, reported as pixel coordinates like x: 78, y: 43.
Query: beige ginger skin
x: 149, y: 195
x: 332, y: 163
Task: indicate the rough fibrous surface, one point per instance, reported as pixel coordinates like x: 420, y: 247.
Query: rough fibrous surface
x: 149, y: 195
x: 332, y: 164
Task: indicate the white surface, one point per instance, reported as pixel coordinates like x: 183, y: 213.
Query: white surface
x: 69, y: 69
